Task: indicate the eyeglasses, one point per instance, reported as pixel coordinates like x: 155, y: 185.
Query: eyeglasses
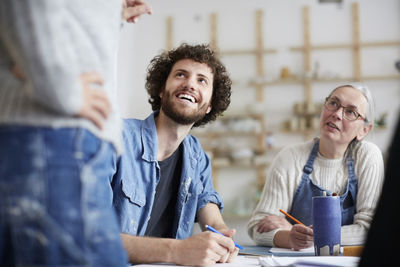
x: 349, y: 113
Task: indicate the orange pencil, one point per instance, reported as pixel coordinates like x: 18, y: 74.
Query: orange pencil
x: 291, y: 217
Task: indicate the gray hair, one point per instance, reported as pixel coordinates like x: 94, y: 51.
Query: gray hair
x: 370, y: 110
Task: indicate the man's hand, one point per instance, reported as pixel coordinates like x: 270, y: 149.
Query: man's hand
x: 133, y: 9
x: 96, y: 107
x: 272, y: 222
x: 301, y: 236
x: 203, y: 249
x: 232, y: 255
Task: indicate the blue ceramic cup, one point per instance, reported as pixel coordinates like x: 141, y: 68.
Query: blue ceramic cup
x: 327, y: 222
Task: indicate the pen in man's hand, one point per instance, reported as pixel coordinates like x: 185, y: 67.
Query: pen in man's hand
x: 218, y: 232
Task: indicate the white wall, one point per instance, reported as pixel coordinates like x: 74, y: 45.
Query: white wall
x: 282, y: 29
x: 330, y: 23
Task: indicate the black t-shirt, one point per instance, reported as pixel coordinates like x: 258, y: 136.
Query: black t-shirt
x: 163, y: 212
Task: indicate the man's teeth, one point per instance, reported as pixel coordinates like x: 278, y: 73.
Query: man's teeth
x: 187, y: 97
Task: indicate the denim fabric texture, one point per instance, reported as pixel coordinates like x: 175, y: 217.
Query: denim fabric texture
x: 138, y: 173
x: 55, y: 199
x: 302, y: 201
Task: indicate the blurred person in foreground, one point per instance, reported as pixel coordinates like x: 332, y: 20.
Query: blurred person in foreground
x: 59, y: 126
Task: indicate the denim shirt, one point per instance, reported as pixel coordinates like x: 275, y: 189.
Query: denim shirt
x: 138, y: 173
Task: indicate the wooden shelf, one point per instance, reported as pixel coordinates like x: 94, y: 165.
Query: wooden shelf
x: 233, y: 164
x: 346, y: 46
x: 363, y: 78
x: 210, y: 134
x: 260, y: 82
x: 306, y: 132
x: 242, y: 114
x: 381, y: 77
x: 276, y: 82
x: 245, y: 52
x: 324, y: 80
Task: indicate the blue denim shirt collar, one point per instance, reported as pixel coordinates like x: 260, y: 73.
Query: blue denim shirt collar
x: 149, y: 138
x: 150, y: 141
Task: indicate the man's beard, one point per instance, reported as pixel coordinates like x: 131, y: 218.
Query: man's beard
x: 172, y: 112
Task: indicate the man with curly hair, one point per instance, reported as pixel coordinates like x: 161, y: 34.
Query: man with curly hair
x: 163, y: 181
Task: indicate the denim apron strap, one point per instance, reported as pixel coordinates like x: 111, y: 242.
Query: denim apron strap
x: 302, y: 201
x: 348, y: 200
x: 304, y: 193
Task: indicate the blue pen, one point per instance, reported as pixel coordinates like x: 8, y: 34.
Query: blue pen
x: 218, y: 232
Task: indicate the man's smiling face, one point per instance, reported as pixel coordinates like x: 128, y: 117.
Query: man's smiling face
x: 186, y: 98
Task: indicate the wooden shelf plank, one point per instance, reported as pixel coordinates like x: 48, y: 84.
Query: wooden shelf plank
x: 356, y: 43
x: 241, y: 165
x: 380, y: 44
x: 326, y: 80
x: 381, y: 77
x: 239, y: 52
x: 210, y: 134
x: 346, y: 46
x: 170, y: 38
x: 214, y: 31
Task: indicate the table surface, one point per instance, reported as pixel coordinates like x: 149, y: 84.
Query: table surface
x: 240, y: 261
x: 247, y: 257
x: 264, y: 251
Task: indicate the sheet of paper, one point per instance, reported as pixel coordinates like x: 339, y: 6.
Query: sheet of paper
x: 255, y: 251
x: 304, y: 251
x: 240, y: 261
x: 330, y: 261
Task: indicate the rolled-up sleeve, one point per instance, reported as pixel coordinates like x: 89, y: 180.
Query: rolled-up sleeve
x: 208, y: 194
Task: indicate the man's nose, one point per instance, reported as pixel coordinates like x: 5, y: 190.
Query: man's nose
x: 190, y: 83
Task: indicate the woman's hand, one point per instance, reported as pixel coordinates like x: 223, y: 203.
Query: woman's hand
x: 272, y: 222
x: 301, y: 236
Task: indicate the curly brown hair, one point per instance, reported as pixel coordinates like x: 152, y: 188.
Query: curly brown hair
x: 161, y: 65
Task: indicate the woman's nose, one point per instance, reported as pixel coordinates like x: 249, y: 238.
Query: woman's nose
x: 339, y: 112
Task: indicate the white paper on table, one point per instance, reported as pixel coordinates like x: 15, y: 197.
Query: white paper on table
x: 291, y: 251
x: 331, y: 261
x: 239, y: 261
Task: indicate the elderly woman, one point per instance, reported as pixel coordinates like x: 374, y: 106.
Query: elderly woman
x: 339, y: 161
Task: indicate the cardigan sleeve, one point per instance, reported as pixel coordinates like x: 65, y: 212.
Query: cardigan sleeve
x: 277, y: 194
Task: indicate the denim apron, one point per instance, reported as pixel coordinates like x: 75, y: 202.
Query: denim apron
x: 302, y: 202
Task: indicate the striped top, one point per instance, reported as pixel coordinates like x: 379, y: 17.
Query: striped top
x: 53, y: 43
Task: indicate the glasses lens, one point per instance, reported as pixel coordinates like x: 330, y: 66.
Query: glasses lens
x: 350, y: 114
x: 332, y: 104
